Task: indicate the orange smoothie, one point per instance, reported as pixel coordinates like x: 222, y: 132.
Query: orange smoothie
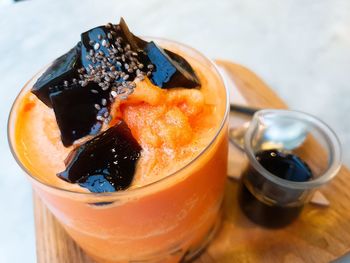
x: 173, y: 203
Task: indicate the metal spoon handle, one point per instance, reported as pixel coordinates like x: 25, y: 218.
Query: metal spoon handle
x: 243, y: 109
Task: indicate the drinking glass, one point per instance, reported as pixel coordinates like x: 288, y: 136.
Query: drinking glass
x: 166, y: 221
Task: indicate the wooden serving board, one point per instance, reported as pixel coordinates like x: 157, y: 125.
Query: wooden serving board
x: 320, y: 234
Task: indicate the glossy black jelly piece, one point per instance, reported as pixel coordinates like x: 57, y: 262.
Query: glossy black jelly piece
x: 97, y: 184
x: 62, y: 69
x: 286, y: 166
x: 184, y: 67
x: 102, y: 39
x: 105, y: 163
x: 75, y: 110
x: 136, y: 43
x: 92, y: 40
x: 170, y: 69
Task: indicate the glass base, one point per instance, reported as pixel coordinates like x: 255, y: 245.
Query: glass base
x: 176, y: 254
x: 194, y: 253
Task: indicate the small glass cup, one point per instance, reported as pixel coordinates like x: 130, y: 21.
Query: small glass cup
x: 268, y: 199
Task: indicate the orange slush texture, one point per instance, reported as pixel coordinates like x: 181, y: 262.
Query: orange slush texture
x: 38, y: 143
x: 172, y: 126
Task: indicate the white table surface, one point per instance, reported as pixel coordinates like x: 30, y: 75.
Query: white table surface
x: 300, y: 48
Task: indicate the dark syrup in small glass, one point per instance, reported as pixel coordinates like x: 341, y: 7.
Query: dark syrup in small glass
x: 287, y: 166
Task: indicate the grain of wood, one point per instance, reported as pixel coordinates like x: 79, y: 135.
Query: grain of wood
x: 321, y: 234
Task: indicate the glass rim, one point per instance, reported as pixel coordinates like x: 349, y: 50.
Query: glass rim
x: 137, y: 190
x: 329, y: 135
